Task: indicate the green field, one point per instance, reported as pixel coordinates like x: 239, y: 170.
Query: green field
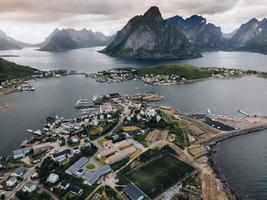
x: 158, y: 175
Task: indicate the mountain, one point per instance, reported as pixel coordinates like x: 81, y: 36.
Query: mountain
x: 10, y: 70
x: 61, y: 40
x: 229, y: 35
x: 202, y: 34
x: 8, y: 43
x: 251, y: 36
x: 149, y: 36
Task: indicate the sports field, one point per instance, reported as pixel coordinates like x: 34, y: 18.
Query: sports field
x: 158, y: 175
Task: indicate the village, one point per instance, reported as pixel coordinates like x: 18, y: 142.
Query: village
x: 162, y: 78
x: 23, y: 84
x: 121, y: 147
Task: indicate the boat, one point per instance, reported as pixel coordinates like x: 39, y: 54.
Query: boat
x: 84, y: 103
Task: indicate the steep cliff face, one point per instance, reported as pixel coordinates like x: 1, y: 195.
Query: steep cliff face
x: 202, y: 34
x: 149, y: 36
x: 251, y: 36
x: 61, y: 40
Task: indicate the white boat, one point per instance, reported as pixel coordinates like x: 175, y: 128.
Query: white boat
x: 84, y: 103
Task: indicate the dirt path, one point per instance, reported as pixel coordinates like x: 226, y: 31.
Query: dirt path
x: 212, y: 188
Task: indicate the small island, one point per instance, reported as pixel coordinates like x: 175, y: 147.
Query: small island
x: 167, y: 74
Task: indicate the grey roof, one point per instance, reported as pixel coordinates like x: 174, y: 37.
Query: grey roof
x: 133, y: 192
x: 76, y: 190
x: 92, y: 176
x: 20, y: 170
x: 21, y: 151
x: 13, y: 179
x: 76, y: 166
x: 64, y: 152
x: 28, y: 184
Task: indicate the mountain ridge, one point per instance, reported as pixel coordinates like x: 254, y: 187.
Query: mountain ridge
x: 149, y: 36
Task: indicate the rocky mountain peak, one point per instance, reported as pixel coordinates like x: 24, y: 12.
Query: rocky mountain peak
x: 152, y: 14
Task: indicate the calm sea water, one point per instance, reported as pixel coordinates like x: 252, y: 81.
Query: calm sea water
x: 89, y: 60
x: 242, y: 162
x: 58, y: 96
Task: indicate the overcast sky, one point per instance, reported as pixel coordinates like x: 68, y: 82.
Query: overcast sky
x: 32, y: 20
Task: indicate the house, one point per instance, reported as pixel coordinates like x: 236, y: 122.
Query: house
x: 19, y: 172
x: 64, y: 185
x: 21, y: 153
x: 76, y: 190
x: 12, y: 181
x: 2, y: 175
x: 59, y: 156
x: 29, y: 187
x: 41, y: 148
x: 52, y: 178
x: 133, y: 192
x: 76, y: 150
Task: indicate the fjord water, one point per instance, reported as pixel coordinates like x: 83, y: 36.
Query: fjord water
x: 89, y: 60
x: 242, y: 163
x: 58, y: 96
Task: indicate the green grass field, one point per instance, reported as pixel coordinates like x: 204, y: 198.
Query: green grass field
x: 158, y: 175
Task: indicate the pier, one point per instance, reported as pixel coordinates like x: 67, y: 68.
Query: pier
x: 242, y: 112
x: 226, y: 135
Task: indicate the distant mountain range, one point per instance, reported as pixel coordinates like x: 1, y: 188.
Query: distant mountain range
x: 7, y: 42
x: 251, y: 36
x: 61, y: 40
x: 202, y: 34
x: 149, y: 36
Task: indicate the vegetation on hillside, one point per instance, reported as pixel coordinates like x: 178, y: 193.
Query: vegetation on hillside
x: 10, y: 70
x: 183, y: 70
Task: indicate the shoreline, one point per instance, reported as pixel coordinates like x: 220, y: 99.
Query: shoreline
x: 213, y: 145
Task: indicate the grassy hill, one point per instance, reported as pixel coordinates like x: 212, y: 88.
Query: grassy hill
x: 183, y: 70
x: 10, y: 70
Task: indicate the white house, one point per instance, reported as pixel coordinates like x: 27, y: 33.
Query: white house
x: 12, y: 181
x: 29, y: 187
x: 19, y: 172
x: 52, y: 178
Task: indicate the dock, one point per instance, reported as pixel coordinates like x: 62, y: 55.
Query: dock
x: 242, y: 112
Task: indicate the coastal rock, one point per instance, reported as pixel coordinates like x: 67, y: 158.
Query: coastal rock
x: 149, y: 36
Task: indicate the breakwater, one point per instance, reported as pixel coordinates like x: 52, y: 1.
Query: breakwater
x: 226, y: 135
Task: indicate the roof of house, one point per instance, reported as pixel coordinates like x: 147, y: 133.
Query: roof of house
x: 64, y: 183
x: 20, y: 170
x: 75, y: 189
x: 52, y: 178
x: 13, y: 179
x: 21, y: 151
x: 29, y: 184
x: 77, y: 165
x: 133, y: 192
x: 64, y: 152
